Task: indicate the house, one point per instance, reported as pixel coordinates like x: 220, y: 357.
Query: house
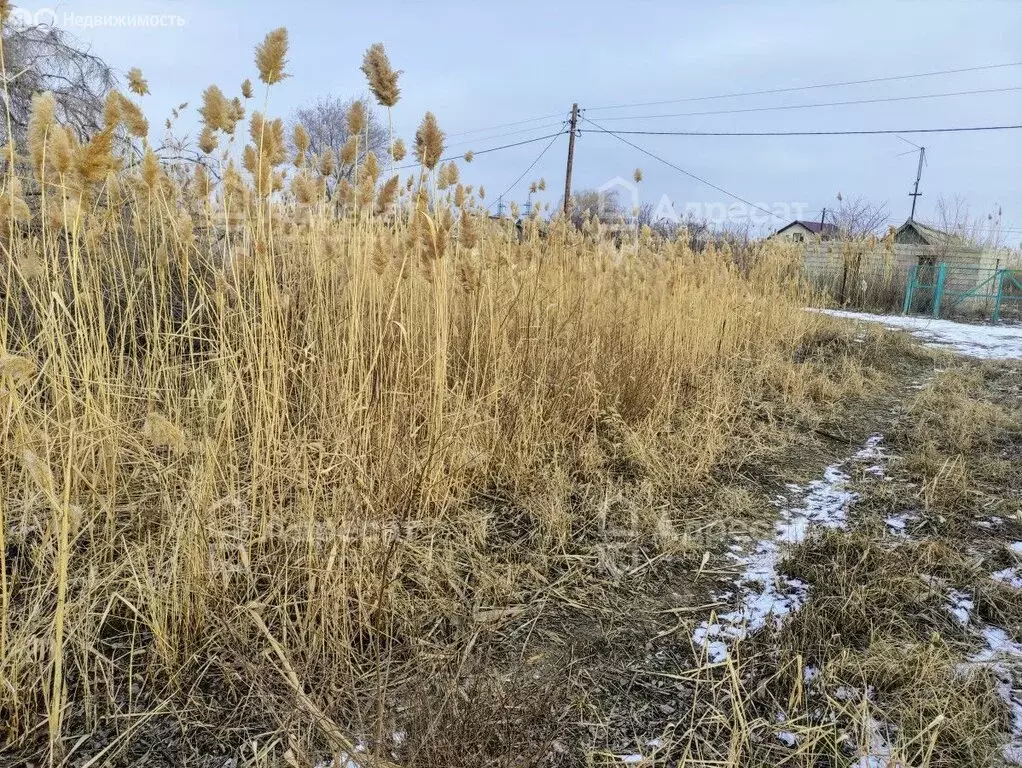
x: 801, y: 231
x: 868, y: 269
x: 920, y: 244
x: 914, y: 232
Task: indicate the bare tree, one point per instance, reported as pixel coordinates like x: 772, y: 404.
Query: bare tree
x: 326, y: 122
x: 953, y: 217
x: 44, y: 58
x: 664, y: 227
x: 591, y: 203
x: 860, y: 217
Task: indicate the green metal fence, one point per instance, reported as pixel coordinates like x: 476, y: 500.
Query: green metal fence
x: 944, y: 290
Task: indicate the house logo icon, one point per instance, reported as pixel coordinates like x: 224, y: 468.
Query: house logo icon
x: 617, y: 195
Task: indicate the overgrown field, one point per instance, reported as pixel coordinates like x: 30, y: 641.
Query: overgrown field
x: 287, y: 475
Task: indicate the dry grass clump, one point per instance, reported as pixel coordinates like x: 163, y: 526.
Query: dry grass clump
x: 944, y: 714
x: 252, y: 436
x: 878, y: 627
x: 862, y: 590
x: 952, y: 437
x: 950, y: 416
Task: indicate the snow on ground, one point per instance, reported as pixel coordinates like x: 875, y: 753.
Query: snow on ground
x: 764, y: 595
x: 991, y: 342
x: 1004, y: 658
x: 878, y: 752
x: 1010, y: 576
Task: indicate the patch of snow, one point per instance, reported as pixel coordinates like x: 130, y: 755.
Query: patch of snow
x: 899, y: 523
x: 878, y: 752
x: 1010, y: 576
x: 1015, y: 548
x: 342, y: 760
x: 632, y: 759
x: 961, y: 606
x: 764, y: 594
x: 990, y: 342
x: 787, y: 738
x: 1003, y: 657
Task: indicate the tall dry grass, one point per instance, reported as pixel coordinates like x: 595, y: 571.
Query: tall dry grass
x: 264, y: 452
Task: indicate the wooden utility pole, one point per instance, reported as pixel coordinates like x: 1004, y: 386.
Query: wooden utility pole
x: 571, y: 158
x: 916, y: 194
x: 823, y: 220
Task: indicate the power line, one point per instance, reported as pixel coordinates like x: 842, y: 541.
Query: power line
x: 487, y: 151
x: 682, y: 170
x: 849, y: 102
x: 526, y: 171
x: 506, y: 125
x: 504, y: 135
x: 877, y: 132
x: 792, y: 89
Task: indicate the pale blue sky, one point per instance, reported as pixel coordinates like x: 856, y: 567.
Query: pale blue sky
x: 479, y: 64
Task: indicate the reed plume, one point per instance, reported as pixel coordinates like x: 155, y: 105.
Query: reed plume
x: 305, y: 188
x: 356, y: 117
x: 301, y: 141
x: 95, y: 159
x: 214, y: 109
x: 61, y: 150
x: 136, y: 83
x: 326, y: 163
x: 235, y: 114
x: 40, y: 124
x: 132, y: 117
x: 161, y: 432
x: 371, y: 168
x: 208, y: 140
x: 429, y: 142
x: 381, y: 76
x: 398, y: 150
x: 17, y: 370
x: 271, y: 57
x: 112, y: 110
x: 387, y: 195
x: 467, y: 233
x: 349, y: 152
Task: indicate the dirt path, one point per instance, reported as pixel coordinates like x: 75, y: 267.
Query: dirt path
x: 874, y: 616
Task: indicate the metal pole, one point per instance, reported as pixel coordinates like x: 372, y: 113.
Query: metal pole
x: 915, y: 194
x: 910, y: 289
x: 938, y: 291
x: 1000, y: 292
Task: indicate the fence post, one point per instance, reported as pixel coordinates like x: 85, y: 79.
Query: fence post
x: 1000, y: 290
x: 938, y: 291
x: 910, y: 289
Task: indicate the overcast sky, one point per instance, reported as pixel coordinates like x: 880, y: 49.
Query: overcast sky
x: 481, y: 64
